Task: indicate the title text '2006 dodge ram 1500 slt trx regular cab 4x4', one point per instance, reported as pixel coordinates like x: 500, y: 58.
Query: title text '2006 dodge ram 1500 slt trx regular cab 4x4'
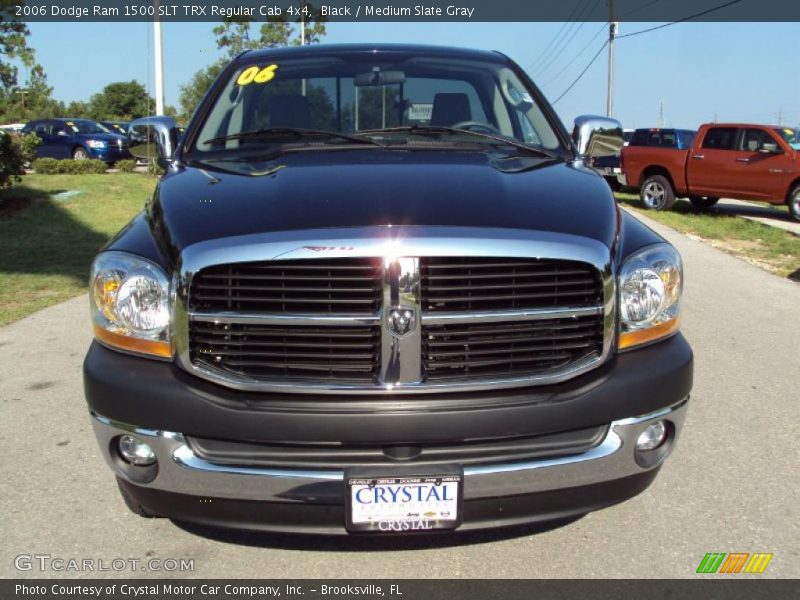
x: 377, y: 290
x: 748, y: 162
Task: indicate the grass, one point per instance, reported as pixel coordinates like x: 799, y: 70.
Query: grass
x: 47, y: 245
x: 768, y: 247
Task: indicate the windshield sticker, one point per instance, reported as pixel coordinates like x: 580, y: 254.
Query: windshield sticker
x: 257, y: 75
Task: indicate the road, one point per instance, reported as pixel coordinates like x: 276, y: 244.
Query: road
x: 732, y: 484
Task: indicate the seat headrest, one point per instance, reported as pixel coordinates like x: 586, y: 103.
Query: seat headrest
x: 449, y: 109
x: 289, y: 111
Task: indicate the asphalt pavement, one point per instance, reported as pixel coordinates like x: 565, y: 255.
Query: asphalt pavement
x: 730, y: 486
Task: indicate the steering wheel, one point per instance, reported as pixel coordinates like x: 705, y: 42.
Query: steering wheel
x: 469, y: 125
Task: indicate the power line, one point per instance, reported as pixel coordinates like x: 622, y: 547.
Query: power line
x: 546, y: 51
x: 574, y: 58
x: 566, y: 42
x: 683, y: 20
x: 578, y: 78
x: 638, y: 8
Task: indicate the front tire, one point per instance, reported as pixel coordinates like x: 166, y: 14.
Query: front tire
x: 80, y: 154
x: 703, y: 202
x: 656, y: 193
x: 793, y: 202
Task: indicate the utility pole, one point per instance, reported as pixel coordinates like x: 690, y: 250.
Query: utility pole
x: 661, y: 114
x: 612, y: 32
x: 302, y: 39
x: 780, y: 116
x: 159, y: 61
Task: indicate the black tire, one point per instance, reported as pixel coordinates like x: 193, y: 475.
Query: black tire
x: 613, y: 183
x: 134, y: 506
x: 703, y: 202
x: 793, y: 202
x: 656, y: 193
x: 80, y: 154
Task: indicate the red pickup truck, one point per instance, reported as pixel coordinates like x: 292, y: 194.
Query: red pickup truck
x: 731, y: 160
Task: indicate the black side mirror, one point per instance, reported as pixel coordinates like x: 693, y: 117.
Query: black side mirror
x: 153, y: 138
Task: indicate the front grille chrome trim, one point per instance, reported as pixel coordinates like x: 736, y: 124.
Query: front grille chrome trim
x: 240, y: 318
x: 391, y: 243
x: 509, y: 315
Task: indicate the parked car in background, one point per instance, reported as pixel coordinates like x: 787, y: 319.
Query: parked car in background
x: 627, y: 134
x: 732, y: 160
x: 120, y: 127
x: 13, y: 127
x: 79, y: 139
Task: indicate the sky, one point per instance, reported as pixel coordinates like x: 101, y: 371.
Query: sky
x: 699, y: 72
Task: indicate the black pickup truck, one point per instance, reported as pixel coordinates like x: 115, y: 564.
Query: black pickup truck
x: 379, y: 290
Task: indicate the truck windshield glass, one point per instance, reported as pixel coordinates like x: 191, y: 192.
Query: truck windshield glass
x: 792, y: 136
x: 350, y: 96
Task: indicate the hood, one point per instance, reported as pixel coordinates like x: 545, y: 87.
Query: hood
x: 111, y: 138
x: 371, y: 187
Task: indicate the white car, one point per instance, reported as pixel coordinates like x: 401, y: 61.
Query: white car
x: 13, y: 127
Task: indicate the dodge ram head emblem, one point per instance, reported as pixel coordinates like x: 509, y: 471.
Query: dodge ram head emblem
x: 401, y: 321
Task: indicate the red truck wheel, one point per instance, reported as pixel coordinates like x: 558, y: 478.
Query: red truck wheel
x: 657, y: 193
x: 794, y: 203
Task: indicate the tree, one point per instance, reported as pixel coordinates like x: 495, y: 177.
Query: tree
x: 198, y: 85
x: 120, y: 101
x: 235, y: 37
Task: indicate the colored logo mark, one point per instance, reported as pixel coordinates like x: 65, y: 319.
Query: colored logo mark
x: 734, y: 562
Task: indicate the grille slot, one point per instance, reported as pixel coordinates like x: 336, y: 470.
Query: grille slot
x: 341, y: 455
x: 451, y: 284
x: 344, y: 354
x: 325, y: 286
x: 509, y: 349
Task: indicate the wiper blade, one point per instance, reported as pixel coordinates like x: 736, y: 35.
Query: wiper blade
x: 296, y: 132
x: 423, y: 129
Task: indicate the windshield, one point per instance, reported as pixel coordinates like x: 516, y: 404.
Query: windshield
x: 792, y: 136
x: 356, y: 96
x: 83, y: 126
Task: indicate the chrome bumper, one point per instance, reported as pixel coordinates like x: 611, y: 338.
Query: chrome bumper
x: 181, y: 471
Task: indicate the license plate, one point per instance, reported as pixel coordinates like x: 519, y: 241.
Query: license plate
x: 400, y: 504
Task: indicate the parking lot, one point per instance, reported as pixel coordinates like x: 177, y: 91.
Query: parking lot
x: 730, y: 487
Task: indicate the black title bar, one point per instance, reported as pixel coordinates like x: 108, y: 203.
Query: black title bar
x: 400, y: 10
x: 711, y: 587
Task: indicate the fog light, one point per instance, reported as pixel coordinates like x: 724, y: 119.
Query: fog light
x: 652, y: 437
x: 135, y: 451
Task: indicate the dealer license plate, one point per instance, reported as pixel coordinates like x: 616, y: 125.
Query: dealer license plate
x: 404, y: 504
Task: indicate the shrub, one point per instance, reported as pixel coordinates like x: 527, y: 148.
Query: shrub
x: 28, y: 144
x: 51, y: 166
x: 155, y: 169
x: 126, y: 166
x: 11, y: 160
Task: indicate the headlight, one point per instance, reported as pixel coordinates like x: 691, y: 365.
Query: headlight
x: 131, y: 304
x: 650, y: 286
x: 96, y: 144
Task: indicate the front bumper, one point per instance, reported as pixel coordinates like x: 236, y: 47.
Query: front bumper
x: 109, y: 153
x: 190, y: 488
x: 162, y: 404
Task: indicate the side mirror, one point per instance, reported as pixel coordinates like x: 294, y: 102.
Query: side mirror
x: 153, y: 138
x: 770, y: 148
x: 597, y: 137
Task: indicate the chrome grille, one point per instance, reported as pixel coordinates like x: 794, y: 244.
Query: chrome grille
x: 348, y: 354
x: 470, y: 284
x: 409, y: 324
x: 351, y: 285
x: 508, y: 349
